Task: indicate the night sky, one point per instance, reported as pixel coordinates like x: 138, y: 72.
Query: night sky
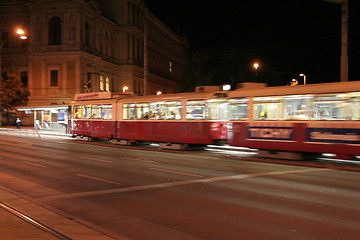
x: 289, y: 36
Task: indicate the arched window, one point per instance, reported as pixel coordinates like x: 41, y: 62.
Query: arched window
x: 55, y: 31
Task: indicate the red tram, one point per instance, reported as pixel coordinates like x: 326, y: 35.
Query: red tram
x: 176, y: 121
x: 304, y: 119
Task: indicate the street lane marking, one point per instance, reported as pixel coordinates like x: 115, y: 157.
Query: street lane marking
x: 98, y: 179
x: 178, y: 183
x: 34, y: 164
x: 176, y: 172
x: 145, y: 160
x: 96, y: 159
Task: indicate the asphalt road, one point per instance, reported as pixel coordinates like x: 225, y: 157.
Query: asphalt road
x: 147, y: 195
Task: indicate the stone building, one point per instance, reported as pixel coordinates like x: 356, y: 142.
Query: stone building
x: 77, y: 46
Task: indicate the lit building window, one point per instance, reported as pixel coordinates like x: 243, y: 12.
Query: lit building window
x: 102, y: 83
x: 107, y: 84
x: 170, y: 66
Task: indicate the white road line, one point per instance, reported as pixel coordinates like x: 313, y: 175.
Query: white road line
x: 98, y: 179
x: 178, y: 183
x: 176, y: 172
x: 96, y: 159
x: 145, y: 160
x: 34, y: 164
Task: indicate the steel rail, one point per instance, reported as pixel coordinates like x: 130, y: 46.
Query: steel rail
x: 34, y: 222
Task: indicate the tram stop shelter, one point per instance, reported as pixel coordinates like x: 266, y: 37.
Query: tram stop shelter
x: 48, y: 117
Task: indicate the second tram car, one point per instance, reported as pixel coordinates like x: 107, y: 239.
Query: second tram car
x: 305, y: 119
x: 176, y: 121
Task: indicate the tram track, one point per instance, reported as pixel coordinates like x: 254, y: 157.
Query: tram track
x: 246, y: 154
x: 34, y: 222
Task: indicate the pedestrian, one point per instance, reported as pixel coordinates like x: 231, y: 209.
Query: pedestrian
x: 37, y: 124
x: 18, y: 123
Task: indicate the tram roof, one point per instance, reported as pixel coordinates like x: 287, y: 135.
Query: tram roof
x: 176, y: 96
x: 320, y: 88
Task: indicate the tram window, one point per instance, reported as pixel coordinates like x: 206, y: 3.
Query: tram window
x: 354, y: 109
x: 157, y: 110
x: 87, y: 112
x: 142, y: 111
x: 129, y: 112
x: 196, y: 110
x: 78, y: 112
x: 95, y: 112
x: 218, y: 109
x: 297, y: 107
x: 267, y: 108
x: 332, y: 107
x: 238, y: 109
x: 173, y: 110
x: 106, y: 111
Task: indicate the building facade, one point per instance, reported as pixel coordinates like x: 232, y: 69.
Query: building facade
x: 78, y: 46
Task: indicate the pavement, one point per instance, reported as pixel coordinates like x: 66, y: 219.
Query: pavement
x: 23, y: 219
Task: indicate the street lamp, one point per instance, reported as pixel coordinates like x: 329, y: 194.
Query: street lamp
x: 293, y: 82
x: 22, y: 35
x: 256, y: 65
x: 303, y: 75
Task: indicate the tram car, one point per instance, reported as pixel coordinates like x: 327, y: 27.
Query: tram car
x: 297, y: 122
x: 175, y: 121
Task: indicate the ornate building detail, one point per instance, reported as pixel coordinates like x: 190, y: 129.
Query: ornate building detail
x: 75, y: 46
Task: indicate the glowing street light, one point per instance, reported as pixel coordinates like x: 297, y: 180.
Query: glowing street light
x: 125, y: 88
x: 158, y: 93
x: 256, y: 66
x: 303, y: 75
x: 294, y: 82
x: 20, y: 32
x: 22, y: 35
x: 226, y: 87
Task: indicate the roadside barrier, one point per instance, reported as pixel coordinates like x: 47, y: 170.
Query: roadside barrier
x: 20, y: 131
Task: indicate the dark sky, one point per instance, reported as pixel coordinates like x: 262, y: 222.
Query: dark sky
x: 290, y: 35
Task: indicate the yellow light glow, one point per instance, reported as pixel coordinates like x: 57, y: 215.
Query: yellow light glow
x: 158, y: 93
x: 125, y: 88
x: 20, y: 32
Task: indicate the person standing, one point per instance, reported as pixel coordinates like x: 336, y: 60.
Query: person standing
x: 18, y: 123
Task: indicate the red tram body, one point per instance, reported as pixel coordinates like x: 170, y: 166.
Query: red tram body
x: 175, y: 121
x: 314, y: 118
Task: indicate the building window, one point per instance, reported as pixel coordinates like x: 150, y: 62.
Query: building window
x: 54, y: 78
x: 5, y: 39
x: 107, y: 84
x: 55, y: 31
x: 24, y: 78
x: 87, y: 35
x: 170, y: 66
x: 102, y: 83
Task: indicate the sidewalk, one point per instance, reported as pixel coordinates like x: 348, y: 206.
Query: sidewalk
x: 30, y: 130
x: 12, y: 227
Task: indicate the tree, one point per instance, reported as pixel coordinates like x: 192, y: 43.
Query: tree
x: 12, y: 93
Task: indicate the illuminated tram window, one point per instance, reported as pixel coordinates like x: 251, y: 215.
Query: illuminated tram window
x: 267, y: 108
x: 218, y: 109
x: 196, y: 110
x: 238, y: 109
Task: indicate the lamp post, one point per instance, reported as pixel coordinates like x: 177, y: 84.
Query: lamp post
x: 344, y: 59
x: 303, y: 75
x: 22, y: 36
